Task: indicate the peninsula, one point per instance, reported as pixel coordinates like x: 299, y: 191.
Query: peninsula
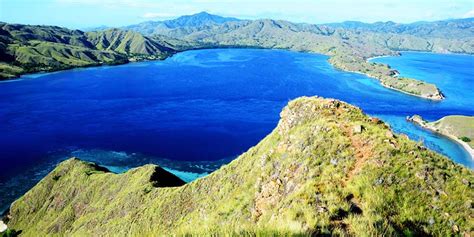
x: 458, y: 128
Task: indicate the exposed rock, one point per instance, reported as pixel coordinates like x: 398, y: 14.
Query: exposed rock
x: 3, y: 227
x: 389, y: 134
x: 357, y: 129
x: 375, y: 120
x: 416, y: 119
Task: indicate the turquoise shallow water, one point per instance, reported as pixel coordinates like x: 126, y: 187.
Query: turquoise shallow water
x: 199, y: 109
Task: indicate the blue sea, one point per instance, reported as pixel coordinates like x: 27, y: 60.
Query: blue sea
x: 197, y: 110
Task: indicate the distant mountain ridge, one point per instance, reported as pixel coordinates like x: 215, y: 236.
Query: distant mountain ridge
x: 454, y: 28
x: 198, y: 20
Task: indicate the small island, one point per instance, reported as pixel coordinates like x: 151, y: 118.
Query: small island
x: 457, y: 127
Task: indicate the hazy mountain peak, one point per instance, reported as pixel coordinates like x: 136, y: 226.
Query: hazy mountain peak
x: 198, y: 19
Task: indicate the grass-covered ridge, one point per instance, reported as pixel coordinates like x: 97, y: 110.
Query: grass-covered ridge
x: 327, y: 168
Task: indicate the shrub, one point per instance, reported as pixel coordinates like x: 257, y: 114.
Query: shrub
x: 465, y: 139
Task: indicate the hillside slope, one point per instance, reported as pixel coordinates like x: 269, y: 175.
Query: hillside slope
x: 327, y: 168
x: 448, y: 29
x: 457, y: 127
x: 27, y: 48
x: 127, y: 42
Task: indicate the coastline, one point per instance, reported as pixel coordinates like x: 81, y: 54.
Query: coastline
x: 392, y: 88
x: 424, y: 124
x: 381, y: 56
x: 442, y: 97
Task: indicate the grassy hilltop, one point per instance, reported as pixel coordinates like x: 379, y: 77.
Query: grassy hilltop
x: 327, y: 168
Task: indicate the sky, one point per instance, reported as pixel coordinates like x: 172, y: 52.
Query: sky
x: 93, y: 13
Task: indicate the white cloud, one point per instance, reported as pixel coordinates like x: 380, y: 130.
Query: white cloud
x: 158, y: 15
x: 469, y: 14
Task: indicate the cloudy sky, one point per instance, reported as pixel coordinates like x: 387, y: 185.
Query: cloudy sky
x: 89, y: 13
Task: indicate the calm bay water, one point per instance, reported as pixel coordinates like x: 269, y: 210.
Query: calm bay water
x: 200, y: 106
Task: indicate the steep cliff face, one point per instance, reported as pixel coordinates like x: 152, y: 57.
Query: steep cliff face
x: 327, y: 168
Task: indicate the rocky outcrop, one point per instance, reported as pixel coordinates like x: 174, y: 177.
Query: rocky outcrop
x: 3, y: 227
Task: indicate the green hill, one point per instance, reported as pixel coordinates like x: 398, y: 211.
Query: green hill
x: 459, y: 126
x: 327, y: 168
x: 127, y: 42
x: 27, y: 48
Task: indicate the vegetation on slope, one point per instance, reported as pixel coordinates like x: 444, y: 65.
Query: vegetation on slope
x: 129, y: 43
x: 457, y: 127
x: 25, y: 48
x: 455, y: 28
x: 198, y: 20
x: 327, y: 168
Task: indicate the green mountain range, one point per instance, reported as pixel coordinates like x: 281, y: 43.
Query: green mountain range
x: 448, y: 29
x: 326, y: 169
